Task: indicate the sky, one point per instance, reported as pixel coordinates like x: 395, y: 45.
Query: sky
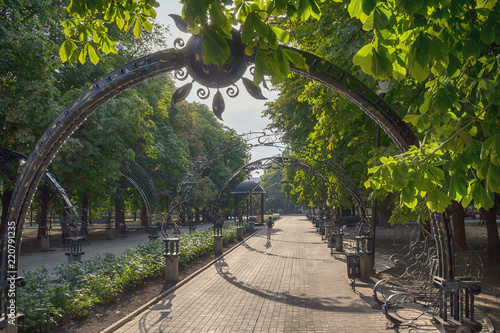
x: 242, y: 113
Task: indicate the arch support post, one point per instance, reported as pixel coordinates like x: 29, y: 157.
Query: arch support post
x: 442, y: 234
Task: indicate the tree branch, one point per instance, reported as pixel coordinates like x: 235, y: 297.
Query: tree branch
x: 458, y: 132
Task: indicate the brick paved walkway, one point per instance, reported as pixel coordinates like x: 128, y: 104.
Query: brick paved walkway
x: 290, y: 284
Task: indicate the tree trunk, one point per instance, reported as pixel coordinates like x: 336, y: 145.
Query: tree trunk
x: 85, y: 215
x: 458, y: 214
x: 119, y: 211
x: 85, y: 207
x: 65, y: 228
x: 44, y: 210
x: 144, y: 215
x: 492, y: 230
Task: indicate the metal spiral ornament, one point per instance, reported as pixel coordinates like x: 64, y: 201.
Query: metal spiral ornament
x: 180, y: 74
x: 179, y: 43
x: 203, y: 93
x: 233, y: 91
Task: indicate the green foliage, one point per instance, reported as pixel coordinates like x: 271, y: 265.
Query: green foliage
x: 28, y: 77
x: 451, y: 47
x: 92, y: 32
x: 278, y: 194
x: 87, y: 29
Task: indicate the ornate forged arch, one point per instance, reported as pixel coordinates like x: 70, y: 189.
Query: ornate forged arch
x: 8, y: 155
x: 141, y: 180
x: 360, y: 94
x: 260, y: 163
x: 160, y: 62
x: 75, y: 114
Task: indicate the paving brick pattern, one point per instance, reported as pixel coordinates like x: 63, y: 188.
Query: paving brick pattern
x: 289, y: 284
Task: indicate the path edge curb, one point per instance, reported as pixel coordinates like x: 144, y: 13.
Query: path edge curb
x: 116, y: 325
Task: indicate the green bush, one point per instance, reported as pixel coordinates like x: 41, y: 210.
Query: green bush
x: 72, y: 290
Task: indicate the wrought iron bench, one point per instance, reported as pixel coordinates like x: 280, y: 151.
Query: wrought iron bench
x: 456, y: 303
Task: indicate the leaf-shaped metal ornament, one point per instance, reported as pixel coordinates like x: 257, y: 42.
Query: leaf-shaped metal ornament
x: 179, y: 23
x: 218, y: 105
x: 252, y: 89
x: 181, y: 93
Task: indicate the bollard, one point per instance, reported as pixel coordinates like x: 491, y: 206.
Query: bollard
x: 45, y: 243
x: 218, y: 238
x: 339, y: 242
x: 153, y: 232
x: 328, y: 230
x: 365, y: 266
x: 239, y: 233
x: 171, y: 259
x: 218, y: 245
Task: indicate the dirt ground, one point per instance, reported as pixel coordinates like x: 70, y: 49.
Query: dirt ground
x: 106, y: 314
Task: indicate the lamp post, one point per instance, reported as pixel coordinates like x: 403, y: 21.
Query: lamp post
x: 74, y: 252
x: 153, y: 231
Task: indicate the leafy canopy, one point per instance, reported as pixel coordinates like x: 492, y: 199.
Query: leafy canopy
x: 87, y: 29
x: 448, y: 49
x: 451, y: 47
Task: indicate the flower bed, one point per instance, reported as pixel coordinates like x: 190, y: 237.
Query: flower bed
x: 70, y: 291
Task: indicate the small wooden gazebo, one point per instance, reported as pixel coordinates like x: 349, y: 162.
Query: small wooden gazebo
x: 248, y: 188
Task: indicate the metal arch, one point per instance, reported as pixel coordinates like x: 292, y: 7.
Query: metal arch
x: 376, y: 108
x: 143, y: 195
x: 8, y: 155
x: 160, y: 62
x: 201, y: 165
x: 136, y: 172
x: 75, y: 114
x: 360, y: 94
x: 284, y: 160
x: 67, y: 122
x: 256, y: 139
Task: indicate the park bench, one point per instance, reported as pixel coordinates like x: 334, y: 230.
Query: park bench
x: 418, y: 264
x: 456, y: 303
x: 419, y: 289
